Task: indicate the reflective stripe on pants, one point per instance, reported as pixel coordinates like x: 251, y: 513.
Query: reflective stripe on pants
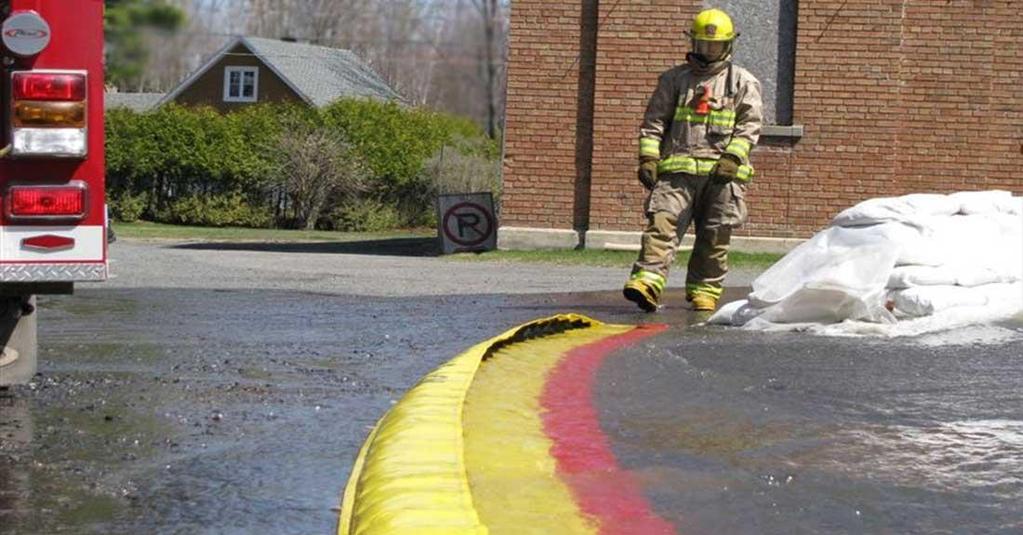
x: 714, y: 209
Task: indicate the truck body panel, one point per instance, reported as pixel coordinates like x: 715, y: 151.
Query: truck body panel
x: 59, y: 251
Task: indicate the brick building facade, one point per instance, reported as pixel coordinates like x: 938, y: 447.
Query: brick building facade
x: 893, y: 97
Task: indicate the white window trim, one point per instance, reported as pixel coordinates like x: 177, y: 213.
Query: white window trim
x: 227, y: 84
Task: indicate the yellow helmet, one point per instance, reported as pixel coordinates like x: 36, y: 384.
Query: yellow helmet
x: 713, y: 25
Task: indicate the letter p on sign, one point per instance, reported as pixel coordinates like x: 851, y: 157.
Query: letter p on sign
x: 467, y: 223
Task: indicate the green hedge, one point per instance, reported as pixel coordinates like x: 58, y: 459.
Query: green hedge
x: 197, y: 166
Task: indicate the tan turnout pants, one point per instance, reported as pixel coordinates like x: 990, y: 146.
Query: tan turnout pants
x: 714, y: 209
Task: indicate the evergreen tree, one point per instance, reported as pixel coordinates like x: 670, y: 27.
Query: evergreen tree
x: 127, y: 22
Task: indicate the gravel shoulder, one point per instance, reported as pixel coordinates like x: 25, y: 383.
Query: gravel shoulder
x: 339, y: 269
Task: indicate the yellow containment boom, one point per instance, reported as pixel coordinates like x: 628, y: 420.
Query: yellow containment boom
x: 410, y: 476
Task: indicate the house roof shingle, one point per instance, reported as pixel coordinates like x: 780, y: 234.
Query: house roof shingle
x: 321, y: 74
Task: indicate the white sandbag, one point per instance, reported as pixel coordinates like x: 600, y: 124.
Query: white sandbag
x: 982, y: 248
x: 871, y: 212
x: 949, y: 275
x: 974, y: 276
x: 858, y: 259
x: 1011, y: 259
x: 982, y: 202
x: 930, y: 204
x: 737, y: 313
x: 1008, y: 223
x: 1013, y: 206
x: 1003, y: 294
x: 906, y: 209
x: 926, y: 300
x: 1009, y: 205
x: 921, y: 275
x: 894, y: 267
x: 946, y: 240
x: 923, y: 252
x: 829, y: 304
x: 953, y: 318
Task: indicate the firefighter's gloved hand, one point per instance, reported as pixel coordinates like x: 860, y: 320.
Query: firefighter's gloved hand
x: 726, y: 170
x: 648, y: 173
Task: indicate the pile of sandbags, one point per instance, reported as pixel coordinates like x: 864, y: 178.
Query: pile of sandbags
x: 892, y: 260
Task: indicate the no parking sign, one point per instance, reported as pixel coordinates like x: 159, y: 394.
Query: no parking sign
x: 466, y: 222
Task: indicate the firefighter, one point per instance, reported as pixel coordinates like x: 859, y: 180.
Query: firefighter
x: 700, y: 125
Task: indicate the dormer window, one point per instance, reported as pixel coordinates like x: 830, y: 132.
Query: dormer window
x: 241, y: 84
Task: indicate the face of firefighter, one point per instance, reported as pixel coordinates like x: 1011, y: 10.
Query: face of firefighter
x: 712, y: 51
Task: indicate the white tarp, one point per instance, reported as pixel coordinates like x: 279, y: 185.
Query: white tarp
x: 896, y: 266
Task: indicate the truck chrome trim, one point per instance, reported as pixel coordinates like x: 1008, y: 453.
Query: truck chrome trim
x: 85, y: 272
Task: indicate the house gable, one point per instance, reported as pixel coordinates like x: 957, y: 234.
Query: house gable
x: 208, y: 87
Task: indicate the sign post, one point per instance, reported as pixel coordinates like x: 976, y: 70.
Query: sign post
x: 466, y: 223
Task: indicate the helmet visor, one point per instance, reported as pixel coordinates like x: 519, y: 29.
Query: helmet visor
x: 711, y: 50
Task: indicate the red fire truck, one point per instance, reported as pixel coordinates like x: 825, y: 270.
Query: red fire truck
x: 53, y: 216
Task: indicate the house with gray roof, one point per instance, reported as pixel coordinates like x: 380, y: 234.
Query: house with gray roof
x: 250, y: 70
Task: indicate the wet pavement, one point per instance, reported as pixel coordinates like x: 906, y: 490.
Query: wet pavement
x: 165, y: 406
x: 216, y: 412
x: 209, y: 389
x: 741, y: 432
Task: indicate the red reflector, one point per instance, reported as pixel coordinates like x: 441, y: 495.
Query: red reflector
x: 47, y: 201
x: 48, y: 242
x: 49, y: 86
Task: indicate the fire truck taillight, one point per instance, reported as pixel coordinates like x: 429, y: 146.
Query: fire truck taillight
x: 66, y: 202
x: 41, y: 114
x: 49, y: 86
x: 49, y: 114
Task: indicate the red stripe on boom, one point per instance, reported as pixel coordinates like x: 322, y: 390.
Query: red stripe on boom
x: 583, y: 453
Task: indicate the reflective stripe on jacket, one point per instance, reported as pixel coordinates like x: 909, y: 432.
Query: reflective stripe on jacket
x: 687, y: 141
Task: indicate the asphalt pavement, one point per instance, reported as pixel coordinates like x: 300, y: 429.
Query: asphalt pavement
x: 745, y: 433
x: 226, y: 388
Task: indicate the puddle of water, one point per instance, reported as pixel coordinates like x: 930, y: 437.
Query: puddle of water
x: 85, y: 305
x: 738, y: 432
x: 710, y: 432
x: 49, y: 476
x: 982, y: 456
x: 129, y: 354
x: 27, y: 491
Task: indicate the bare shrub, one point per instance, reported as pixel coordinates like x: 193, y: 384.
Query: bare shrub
x: 464, y: 167
x: 318, y: 168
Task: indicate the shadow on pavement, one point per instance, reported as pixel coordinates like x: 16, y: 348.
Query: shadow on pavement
x: 610, y: 306
x: 415, y: 247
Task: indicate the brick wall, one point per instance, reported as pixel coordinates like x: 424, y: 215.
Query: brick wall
x: 636, y: 42
x: 896, y: 96
x: 544, y: 105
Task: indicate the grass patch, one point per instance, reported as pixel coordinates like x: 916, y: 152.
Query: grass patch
x: 584, y: 257
x: 597, y: 258
x: 159, y: 231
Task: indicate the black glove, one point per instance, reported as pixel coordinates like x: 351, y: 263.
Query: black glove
x: 726, y: 170
x: 648, y: 173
